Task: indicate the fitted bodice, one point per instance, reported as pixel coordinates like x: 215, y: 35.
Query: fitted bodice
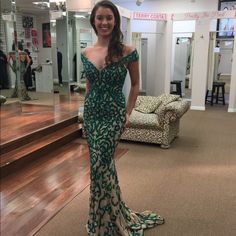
x: 109, y: 77
x: 106, y: 84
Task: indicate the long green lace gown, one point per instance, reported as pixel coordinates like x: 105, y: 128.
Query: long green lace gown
x: 104, y: 117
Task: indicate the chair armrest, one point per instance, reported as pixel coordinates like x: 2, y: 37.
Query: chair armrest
x: 173, y: 111
x: 81, y: 115
x: 178, y: 107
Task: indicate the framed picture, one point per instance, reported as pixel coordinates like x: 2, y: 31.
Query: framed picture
x: 35, y: 41
x: 34, y: 33
x: 46, y: 35
x: 27, y: 33
x: 225, y: 27
x: 27, y: 22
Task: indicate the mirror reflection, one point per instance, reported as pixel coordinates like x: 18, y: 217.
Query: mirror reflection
x: 220, y: 67
x: 226, y: 48
x: 9, y: 57
x: 59, y: 46
x: 182, y: 58
x: 25, y: 45
x: 181, y: 83
x: 80, y: 35
x: 220, y: 58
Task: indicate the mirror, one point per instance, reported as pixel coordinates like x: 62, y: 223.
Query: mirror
x: 220, y: 58
x: 220, y: 64
x: 59, y: 39
x: 80, y: 35
x: 182, y: 58
x: 182, y: 65
x: 8, y: 83
x: 226, y: 48
x: 37, y: 77
x: 146, y: 43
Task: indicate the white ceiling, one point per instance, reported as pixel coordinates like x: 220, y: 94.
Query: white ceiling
x: 26, y: 6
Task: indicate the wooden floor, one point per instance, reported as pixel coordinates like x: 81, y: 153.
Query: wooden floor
x: 33, y: 195
x: 15, y: 123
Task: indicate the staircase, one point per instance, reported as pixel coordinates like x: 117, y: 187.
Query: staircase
x: 19, y: 152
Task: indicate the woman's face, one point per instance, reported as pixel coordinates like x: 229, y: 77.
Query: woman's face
x: 104, y: 21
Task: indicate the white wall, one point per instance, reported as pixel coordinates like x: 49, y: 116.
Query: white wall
x: 200, y: 64
x: 232, y: 93
x: 157, y: 44
x: 154, y: 32
x: 161, y: 53
x: 61, y: 36
x: 43, y: 53
x: 226, y: 52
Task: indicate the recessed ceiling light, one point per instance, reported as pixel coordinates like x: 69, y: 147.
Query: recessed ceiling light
x: 57, y: 1
x: 41, y: 4
x: 79, y: 16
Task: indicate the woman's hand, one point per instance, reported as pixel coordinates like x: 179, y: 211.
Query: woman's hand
x: 126, y: 119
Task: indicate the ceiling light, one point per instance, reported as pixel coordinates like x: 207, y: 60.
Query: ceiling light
x: 79, y: 16
x: 42, y: 5
x: 57, y: 1
x: 139, y: 2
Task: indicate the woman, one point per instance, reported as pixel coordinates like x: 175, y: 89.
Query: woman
x: 28, y: 73
x: 24, y: 62
x: 4, y: 83
x: 105, y: 115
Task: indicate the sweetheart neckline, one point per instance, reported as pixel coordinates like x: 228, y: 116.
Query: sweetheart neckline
x: 103, y: 68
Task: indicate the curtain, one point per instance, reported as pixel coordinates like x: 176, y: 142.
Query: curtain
x: 191, y: 63
x: 211, y: 60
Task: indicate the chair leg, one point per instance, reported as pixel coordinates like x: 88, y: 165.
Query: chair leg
x: 206, y: 95
x: 212, y: 95
x: 223, y: 94
x: 165, y: 146
x: 217, y: 94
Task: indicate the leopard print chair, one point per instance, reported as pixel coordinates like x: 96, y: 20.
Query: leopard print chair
x: 156, y: 119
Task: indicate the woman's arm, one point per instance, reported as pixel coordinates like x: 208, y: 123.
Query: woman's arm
x: 28, y: 60
x: 84, y: 51
x: 87, y: 85
x: 133, y: 68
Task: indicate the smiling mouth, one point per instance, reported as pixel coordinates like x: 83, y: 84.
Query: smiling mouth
x: 104, y: 30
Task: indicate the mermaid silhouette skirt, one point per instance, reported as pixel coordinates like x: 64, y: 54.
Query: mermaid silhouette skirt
x: 104, y: 117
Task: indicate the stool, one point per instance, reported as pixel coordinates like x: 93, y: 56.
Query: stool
x: 177, y: 84
x: 216, y: 89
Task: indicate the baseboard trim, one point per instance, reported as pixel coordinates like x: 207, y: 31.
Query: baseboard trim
x: 231, y: 109
x: 198, y: 108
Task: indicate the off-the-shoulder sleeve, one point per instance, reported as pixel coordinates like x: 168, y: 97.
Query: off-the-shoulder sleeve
x: 133, y: 56
x: 82, y: 57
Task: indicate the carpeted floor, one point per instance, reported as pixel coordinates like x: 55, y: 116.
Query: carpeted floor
x: 192, y: 184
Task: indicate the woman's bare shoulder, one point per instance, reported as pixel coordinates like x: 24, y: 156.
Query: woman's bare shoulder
x: 86, y: 51
x: 128, y: 49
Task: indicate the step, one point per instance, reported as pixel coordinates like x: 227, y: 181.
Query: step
x: 16, y: 158
x: 20, y: 141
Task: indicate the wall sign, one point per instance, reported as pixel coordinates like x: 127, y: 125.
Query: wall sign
x: 204, y: 15
x: 149, y: 16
